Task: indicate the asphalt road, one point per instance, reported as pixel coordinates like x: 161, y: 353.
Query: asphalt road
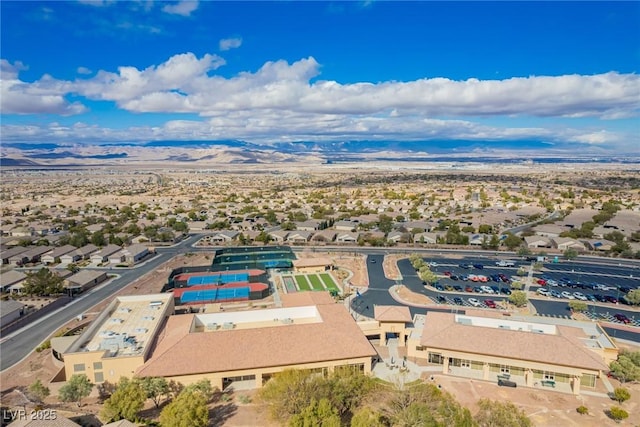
x: 19, y: 344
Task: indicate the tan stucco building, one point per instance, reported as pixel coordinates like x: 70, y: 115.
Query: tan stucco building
x: 310, y: 331
x: 532, y: 352
x: 312, y: 265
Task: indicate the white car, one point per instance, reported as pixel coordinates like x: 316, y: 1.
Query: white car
x: 607, y: 288
x: 543, y: 291
x: 486, y: 290
x: 503, y: 263
x: 580, y: 296
x: 552, y: 282
x: 433, y: 264
x: 567, y: 295
x: 474, y: 302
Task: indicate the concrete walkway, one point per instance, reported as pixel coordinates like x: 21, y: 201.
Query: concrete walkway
x: 396, y: 370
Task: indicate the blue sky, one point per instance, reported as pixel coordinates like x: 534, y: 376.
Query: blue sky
x: 106, y: 71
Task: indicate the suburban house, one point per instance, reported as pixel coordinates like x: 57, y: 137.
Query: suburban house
x: 310, y: 225
x: 103, y: 254
x: 135, y: 253
x: 54, y: 255
x: 564, y: 243
x: 537, y: 242
x: 324, y: 236
x: 223, y: 236
x: 12, y: 252
x: 279, y: 236
x: 598, y: 244
x: 347, y: 237
x: 428, y: 238
x: 345, y: 225
x: 10, y: 310
x: 11, y: 278
x: 85, y: 279
x: 549, y: 230
x: 399, y: 237
x: 298, y: 237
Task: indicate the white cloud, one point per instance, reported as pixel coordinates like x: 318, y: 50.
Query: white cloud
x: 230, y: 43
x: 83, y: 70
x: 9, y: 71
x: 183, y: 7
x: 279, y: 102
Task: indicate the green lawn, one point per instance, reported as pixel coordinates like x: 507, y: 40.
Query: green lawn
x: 315, y: 282
x: 328, y: 281
x: 303, y: 285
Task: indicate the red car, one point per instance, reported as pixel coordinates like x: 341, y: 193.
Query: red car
x: 489, y: 303
x: 447, y: 273
x: 622, y: 318
x: 542, y: 282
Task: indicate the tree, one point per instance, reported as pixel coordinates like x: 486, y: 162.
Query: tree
x: 385, y: 223
x: 155, y: 388
x: 621, y: 394
x: 98, y: 239
x: 494, y: 242
x: 627, y: 367
x: 125, y: 402
x: 493, y: 413
x: 367, y: 417
x: 524, y: 251
x: 518, y: 298
x: 427, y: 276
x: 203, y: 388
x: 189, y: 409
x: 570, y: 254
x: 618, y: 414
x: 43, y: 282
x: 77, y: 388
x: 39, y: 391
x: 578, y: 306
x: 512, y: 241
x: 263, y: 237
x: 318, y: 413
x: 633, y: 297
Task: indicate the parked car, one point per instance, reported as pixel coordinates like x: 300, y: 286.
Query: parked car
x: 600, y: 298
x: 447, y: 273
x: 433, y: 264
x: 625, y: 289
x: 622, y: 318
x: 457, y: 288
x: 591, y: 298
x: 580, y: 296
x: 441, y: 299
x: 439, y: 287
x: 458, y: 301
x: 505, y: 291
x: 463, y: 265
x: 486, y: 289
x: 468, y: 289
x: 474, y: 302
x: 541, y: 282
x: 478, y: 266
x: 611, y: 299
x: 495, y: 289
x: 551, y: 282
x: 543, y: 291
x: 477, y: 289
x: 490, y: 303
x: 555, y: 293
x: 505, y: 263
x: 567, y: 294
x: 453, y: 277
x: 483, y: 279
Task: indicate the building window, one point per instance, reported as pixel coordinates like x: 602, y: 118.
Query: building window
x: 97, y: 366
x: 465, y: 364
x: 548, y: 376
x: 588, y: 380
x: 435, y: 358
x: 99, y: 377
x: 505, y: 369
x: 78, y: 367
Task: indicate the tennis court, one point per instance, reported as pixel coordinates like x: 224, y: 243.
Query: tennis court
x: 316, y: 283
x: 289, y: 284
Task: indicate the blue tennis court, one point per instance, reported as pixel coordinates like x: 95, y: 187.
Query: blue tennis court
x: 217, y: 279
x: 224, y: 294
